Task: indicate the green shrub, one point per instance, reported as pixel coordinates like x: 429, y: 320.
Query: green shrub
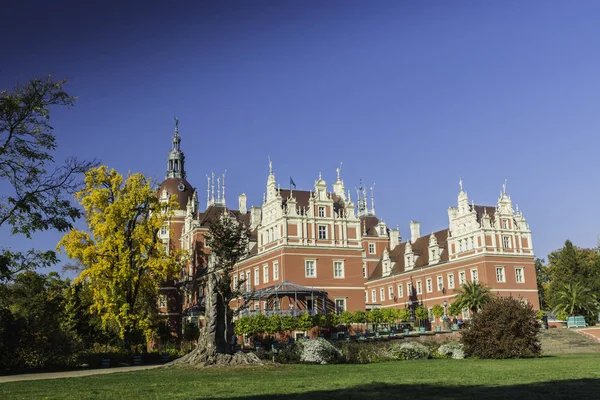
x: 365, y: 352
x: 453, y: 350
x: 289, y: 353
x: 504, y: 328
x: 409, y: 351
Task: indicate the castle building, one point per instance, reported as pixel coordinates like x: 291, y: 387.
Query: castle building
x: 317, y: 251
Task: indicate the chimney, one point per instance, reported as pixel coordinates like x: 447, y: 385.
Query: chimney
x: 255, y: 216
x: 394, y: 238
x: 242, y: 203
x: 415, y: 231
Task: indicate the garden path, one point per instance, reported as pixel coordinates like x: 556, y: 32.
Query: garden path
x: 73, y: 374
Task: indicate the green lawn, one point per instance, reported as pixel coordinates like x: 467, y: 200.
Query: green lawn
x: 550, y: 377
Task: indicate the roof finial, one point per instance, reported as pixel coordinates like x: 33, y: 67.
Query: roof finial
x: 176, y: 126
x: 207, y: 190
x: 504, y: 187
x: 373, y: 199
x: 223, y: 182
x: 319, y: 175
x: 460, y: 183
x: 270, y: 166
x: 339, y: 170
x: 212, y: 193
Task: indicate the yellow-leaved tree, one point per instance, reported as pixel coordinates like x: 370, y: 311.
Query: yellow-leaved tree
x: 123, y: 258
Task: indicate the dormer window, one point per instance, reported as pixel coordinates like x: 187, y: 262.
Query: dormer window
x: 382, y: 230
x: 321, y: 211
x: 504, y: 224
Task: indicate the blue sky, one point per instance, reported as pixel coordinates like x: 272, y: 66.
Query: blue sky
x: 408, y: 95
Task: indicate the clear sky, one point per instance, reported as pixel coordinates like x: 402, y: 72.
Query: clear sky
x: 408, y: 95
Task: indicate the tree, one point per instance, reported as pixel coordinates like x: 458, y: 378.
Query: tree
x: 228, y: 245
x: 573, y: 264
x: 542, y: 275
x: 33, y: 187
x: 504, y: 328
x: 576, y: 299
x: 124, y: 260
x: 438, y: 311
x: 472, y: 295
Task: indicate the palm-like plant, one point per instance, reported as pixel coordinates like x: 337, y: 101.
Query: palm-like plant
x: 472, y: 295
x: 575, y: 298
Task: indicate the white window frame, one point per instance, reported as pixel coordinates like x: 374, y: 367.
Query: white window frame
x: 371, y: 248
x: 451, y: 280
x: 506, y: 242
x: 322, y: 232
x: 163, y: 230
x: 504, y: 224
x: 162, y: 301
x: 521, y: 276
x: 366, y: 296
x: 275, y: 271
x: 462, y: 277
x: 248, y: 281
x: 235, y: 282
x: 341, y: 271
x: 314, y: 269
x: 409, y: 288
x: 256, y: 276
x: 373, y: 296
x: 474, y: 275
x: 265, y: 273
x: 500, y: 278
x: 343, y: 308
x: 390, y: 293
x: 440, y: 283
x: 429, y: 285
x: 321, y: 211
x: 400, y: 291
x: 364, y: 270
x: 381, y: 294
x: 419, y: 287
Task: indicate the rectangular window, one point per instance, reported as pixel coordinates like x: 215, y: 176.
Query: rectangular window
x: 371, y: 248
x: 364, y: 271
x: 400, y: 294
x: 322, y: 232
x: 340, y: 306
x: 163, y: 230
x: 474, y: 275
x: 419, y: 288
x: 265, y: 273
x: 162, y: 301
x: 520, y: 275
x: 248, y: 283
x: 275, y: 271
x: 390, y: 293
x: 506, y: 240
x: 338, y: 269
x: 409, y: 289
x: 504, y: 224
x: 462, y: 277
x: 310, y: 268
x: 366, y: 297
x: 373, y: 296
x: 381, y: 294
x: 440, y: 282
x: 321, y: 211
x: 429, y: 285
x: 256, y: 277
x: 235, y: 282
x: 450, y: 281
x: 500, y: 274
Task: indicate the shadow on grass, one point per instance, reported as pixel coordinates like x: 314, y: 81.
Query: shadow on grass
x: 567, y: 389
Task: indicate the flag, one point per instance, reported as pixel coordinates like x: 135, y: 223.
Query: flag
x: 292, y: 183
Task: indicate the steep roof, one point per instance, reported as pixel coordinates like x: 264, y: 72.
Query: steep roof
x: 421, y: 249
x: 173, y: 186
x: 213, y: 212
x: 481, y: 210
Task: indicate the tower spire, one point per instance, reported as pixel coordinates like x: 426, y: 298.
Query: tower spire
x: 176, y: 158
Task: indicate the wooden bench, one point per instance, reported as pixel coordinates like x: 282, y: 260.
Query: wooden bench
x: 576, y: 322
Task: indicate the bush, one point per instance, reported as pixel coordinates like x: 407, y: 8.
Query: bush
x: 504, y: 328
x: 409, y: 351
x: 318, y: 351
x: 453, y: 350
x: 365, y: 352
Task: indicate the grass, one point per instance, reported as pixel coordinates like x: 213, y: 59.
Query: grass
x: 560, y: 375
x: 547, y: 377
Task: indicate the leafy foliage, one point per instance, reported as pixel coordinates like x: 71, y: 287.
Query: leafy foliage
x: 438, y: 311
x: 409, y: 351
x: 504, y: 328
x: 124, y: 260
x: 318, y: 351
x: 472, y: 295
x: 576, y: 299
x: 33, y: 188
x: 453, y: 350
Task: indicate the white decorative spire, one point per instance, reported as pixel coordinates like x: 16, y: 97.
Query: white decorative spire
x: 373, y: 199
